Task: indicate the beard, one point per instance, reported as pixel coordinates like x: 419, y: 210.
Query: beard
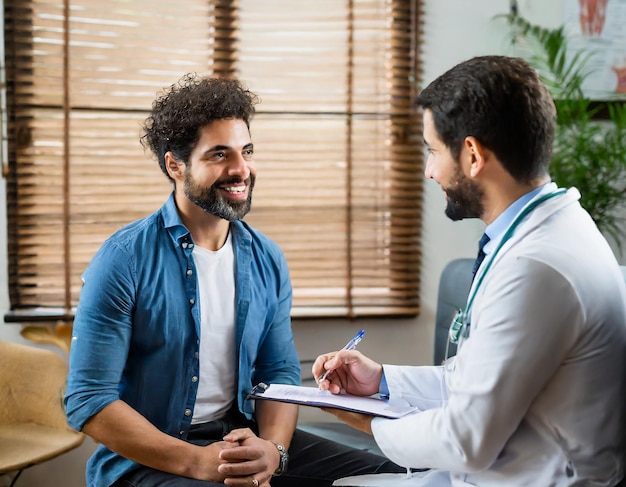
x: 211, y: 201
x: 465, y: 199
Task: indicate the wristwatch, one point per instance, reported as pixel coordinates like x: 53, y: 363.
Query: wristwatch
x: 284, y: 459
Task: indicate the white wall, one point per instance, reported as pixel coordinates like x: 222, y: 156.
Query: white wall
x: 454, y: 30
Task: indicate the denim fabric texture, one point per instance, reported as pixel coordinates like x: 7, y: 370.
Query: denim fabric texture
x: 136, y: 332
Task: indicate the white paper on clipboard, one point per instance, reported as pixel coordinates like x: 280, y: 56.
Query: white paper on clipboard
x: 313, y: 396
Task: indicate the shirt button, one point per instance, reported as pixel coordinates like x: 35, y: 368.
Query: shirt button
x: 187, y: 412
x: 194, y: 379
x: 189, y: 272
x: 184, y: 245
x: 192, y: 301
x: 190, y: 245
x: 181, y: 433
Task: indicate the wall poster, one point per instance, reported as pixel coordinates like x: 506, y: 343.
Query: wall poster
x: 599, y: 27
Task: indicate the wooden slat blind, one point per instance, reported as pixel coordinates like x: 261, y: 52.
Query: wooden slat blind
x: 336, y: 136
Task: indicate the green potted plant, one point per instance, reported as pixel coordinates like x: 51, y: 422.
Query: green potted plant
x: 590, y: 141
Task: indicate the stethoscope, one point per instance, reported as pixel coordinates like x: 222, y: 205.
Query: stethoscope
x: 460, y: 324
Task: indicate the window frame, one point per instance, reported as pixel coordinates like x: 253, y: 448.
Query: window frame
x: 402, y: 120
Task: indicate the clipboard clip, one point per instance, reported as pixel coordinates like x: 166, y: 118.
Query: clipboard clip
x: 260, y: 388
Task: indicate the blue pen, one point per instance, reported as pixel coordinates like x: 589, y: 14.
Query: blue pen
x: 351, y: 345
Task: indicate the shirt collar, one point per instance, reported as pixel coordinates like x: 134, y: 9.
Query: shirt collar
x: 500, y: 224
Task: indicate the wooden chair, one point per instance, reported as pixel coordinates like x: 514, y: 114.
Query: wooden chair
x: 33, y: 427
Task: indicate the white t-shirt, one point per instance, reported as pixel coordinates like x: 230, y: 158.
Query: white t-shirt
x: 216, y: 288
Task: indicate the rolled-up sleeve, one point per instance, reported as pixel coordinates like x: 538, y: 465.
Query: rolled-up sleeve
x: 101, y: 335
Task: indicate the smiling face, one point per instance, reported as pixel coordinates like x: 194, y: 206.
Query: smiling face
x: 464, y: 197
x: 220, y: 174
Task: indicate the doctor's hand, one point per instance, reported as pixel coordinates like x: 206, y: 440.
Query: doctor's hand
x: 351, y: 372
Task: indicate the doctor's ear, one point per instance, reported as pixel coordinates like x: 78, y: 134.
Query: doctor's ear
x: 476, y: 155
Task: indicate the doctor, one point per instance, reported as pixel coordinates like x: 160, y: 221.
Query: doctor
x: 535, y: 393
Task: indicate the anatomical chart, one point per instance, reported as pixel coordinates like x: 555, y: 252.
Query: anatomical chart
x: 599, y: 27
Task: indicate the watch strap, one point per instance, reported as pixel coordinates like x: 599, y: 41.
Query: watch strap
x: 284, y: 458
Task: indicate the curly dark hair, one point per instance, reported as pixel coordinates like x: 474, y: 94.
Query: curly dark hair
x: 185, y: 107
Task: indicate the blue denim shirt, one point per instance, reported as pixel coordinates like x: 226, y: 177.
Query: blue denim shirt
x: 137, y: 328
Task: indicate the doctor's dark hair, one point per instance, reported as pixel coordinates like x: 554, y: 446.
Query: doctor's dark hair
x: 185, y: 107
x: 503, y: 104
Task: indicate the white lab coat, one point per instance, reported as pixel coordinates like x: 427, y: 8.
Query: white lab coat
x: 535, y: 396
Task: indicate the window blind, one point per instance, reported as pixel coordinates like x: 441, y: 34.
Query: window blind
x: 336, y: 137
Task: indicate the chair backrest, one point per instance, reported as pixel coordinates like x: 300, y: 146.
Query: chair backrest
x: 32, y: 382
x: 454, y: 285
x: 33, y: 428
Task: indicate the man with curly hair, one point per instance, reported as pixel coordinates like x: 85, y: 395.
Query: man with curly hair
x: 183, y: 312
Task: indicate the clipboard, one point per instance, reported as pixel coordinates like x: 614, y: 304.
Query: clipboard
x: 315, y: 397
x: 424, y: 478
